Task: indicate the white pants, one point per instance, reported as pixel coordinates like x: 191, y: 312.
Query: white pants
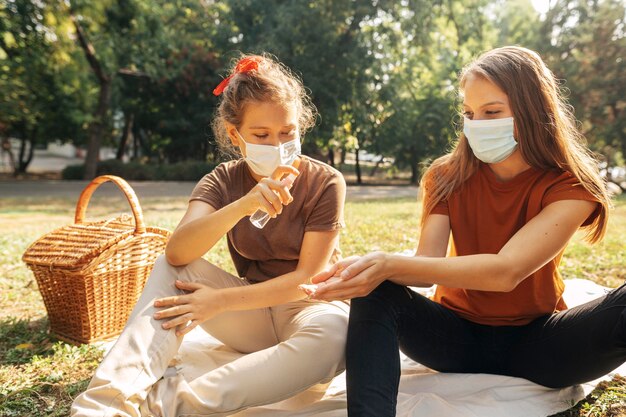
x: 289, y: 348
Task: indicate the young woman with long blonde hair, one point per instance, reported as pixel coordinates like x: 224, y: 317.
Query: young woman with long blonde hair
x: 510, y: 195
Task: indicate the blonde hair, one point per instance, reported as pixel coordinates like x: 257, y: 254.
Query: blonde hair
x: 271, y: 81
x: 544, y: 121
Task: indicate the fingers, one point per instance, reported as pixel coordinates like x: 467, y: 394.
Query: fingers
x: 323, y: 276
x: 311, y: 289
x: 177, y: 321
x: 355, y: 267
x: 279, y: 188
x: 335, y: 270
x: 183, y: 330
x: 188, y: 286
x: 171, y: 312
x: 271, y: 200
x: 171, y: 301
x: 282, y: 170
x: 308, y: 289
x: 342, y: 290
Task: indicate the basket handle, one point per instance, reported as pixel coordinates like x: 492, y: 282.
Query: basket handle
x: 83, y: 200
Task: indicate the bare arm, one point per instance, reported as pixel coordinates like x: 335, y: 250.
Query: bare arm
x: 534, y: 245
x: 199, y: 230
x: 205, y: 302
x: 202, y: 226
x: 433, y: 242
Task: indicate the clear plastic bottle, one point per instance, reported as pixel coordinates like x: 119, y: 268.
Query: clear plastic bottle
x: 260, y: 218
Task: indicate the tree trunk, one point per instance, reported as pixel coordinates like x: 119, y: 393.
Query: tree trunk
x: 357, y: 168
x: 331, y: 156
x: 24, y: 159
x: 380, y: 161
x: 136, y: 138
x: 100, y: 114
x: 128, y: 131
x: 414, y: 167
x: 96, y: 130
x: 342, y: 155
x: 6, y: 148
x: 414, y: 174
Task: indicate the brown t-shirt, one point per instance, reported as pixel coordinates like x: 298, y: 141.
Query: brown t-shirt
x: 484, y: 214
x: 260, y: 254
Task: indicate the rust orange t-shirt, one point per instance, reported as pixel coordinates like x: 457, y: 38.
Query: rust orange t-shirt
x: 484, y: 214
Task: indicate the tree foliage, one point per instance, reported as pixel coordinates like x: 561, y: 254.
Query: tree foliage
x: 138, y: 74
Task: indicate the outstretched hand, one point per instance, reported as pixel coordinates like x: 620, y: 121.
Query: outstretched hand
x: 350, y: 278
x: 189, y: 310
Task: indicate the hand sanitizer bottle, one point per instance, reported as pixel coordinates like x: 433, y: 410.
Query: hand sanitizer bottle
x: 260, y: 218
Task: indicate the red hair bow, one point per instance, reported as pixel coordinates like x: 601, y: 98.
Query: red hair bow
x: 244, y: 65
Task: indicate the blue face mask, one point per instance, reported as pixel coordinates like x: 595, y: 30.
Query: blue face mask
x: 491, y: 140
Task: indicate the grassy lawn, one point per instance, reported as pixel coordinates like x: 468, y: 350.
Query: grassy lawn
x: 39, y: 375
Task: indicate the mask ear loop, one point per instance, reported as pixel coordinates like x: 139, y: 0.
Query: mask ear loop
x: 291, y: 149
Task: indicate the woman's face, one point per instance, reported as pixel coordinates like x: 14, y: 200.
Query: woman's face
x: 484, y: 100
x: 265, y: 123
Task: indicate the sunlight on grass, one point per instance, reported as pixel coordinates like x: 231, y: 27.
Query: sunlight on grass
x: 40, y: 376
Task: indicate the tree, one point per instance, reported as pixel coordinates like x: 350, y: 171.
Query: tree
x: 124, y: 40
x: 419, y: 54
x: 319, y: 39
x: 41, y: 97
x: 584, y: 43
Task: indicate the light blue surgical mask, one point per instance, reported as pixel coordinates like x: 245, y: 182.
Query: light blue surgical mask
x: 491, y: 140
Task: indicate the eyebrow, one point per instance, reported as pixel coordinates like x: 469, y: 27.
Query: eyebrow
x: 266, y: 127
x: 493, y: 102
x: 488, y: 104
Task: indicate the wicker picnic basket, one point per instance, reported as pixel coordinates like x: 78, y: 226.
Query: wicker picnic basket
x: 90, y: 274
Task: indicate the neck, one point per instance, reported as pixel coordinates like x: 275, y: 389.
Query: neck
x: 510, y: 167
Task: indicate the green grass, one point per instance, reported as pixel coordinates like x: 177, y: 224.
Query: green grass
x: 39, y: 375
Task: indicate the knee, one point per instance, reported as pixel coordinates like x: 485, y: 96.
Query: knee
x: 379, y: 303
x: 162, y: 270
x: 619, y: 331
x: 189, y: 272
x: 331, y: 329
x: 329, y: 334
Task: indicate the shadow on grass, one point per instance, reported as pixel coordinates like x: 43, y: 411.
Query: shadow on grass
x: 49, y: 400
x: 40, y: 376
x: 608, y: 399
x: 21, y: 339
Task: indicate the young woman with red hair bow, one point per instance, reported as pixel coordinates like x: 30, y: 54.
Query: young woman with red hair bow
x: 263, y: 113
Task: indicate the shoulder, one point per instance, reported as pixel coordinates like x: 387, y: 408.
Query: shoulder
x: 214, y: 185
x: 555, y: 177
x: 565, y: 183
x: 320, y: 172
x: 224, y: 171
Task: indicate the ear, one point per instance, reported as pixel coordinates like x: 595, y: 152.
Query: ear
x: 231, y: 130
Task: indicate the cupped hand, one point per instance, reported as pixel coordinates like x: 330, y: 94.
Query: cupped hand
x: 350, y: 278
x: 271, y: 193
x: 189, y: 310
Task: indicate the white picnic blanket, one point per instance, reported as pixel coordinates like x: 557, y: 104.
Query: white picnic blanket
x: 423, y: 392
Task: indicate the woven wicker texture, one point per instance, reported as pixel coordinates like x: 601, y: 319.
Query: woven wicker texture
x: 90, y: 274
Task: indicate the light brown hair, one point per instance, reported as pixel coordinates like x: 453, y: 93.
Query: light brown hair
x: 272, y: 81
x: 545, y: 128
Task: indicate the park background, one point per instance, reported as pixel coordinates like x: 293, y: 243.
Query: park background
x: 126, y: 86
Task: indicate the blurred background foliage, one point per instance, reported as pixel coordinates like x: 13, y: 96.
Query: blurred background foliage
x: 137, y: 75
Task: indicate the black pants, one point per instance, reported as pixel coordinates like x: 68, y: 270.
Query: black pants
x: 566, y: 348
